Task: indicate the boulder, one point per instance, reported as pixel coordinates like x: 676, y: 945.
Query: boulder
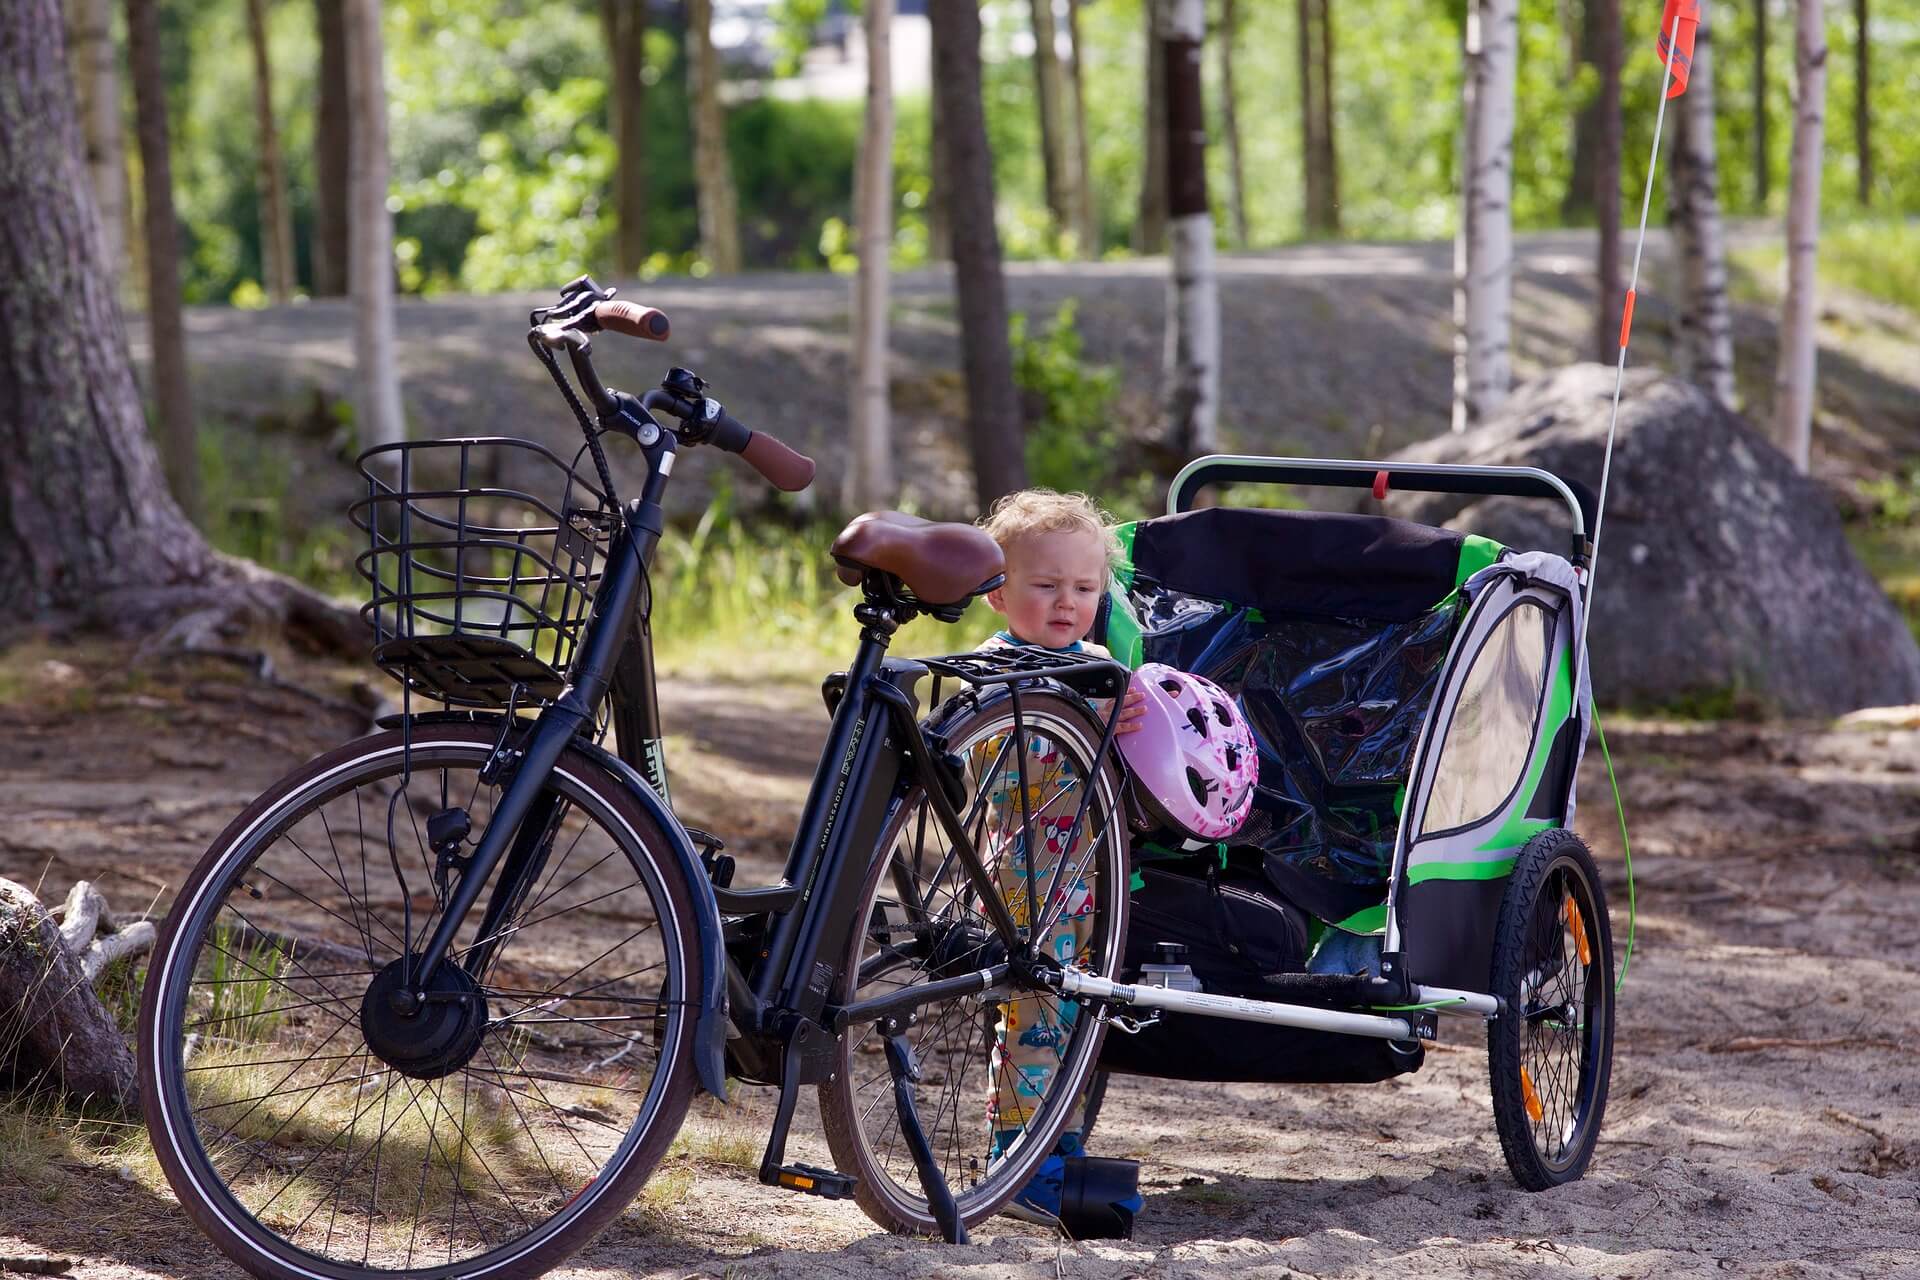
x: 1723, y: 573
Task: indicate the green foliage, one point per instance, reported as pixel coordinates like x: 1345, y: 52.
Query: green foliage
x: 1896, y: 498
x: 1072, y: 439
x: 503, y: 159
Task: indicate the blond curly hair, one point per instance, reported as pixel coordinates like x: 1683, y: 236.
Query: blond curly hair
x: 1030, y: 511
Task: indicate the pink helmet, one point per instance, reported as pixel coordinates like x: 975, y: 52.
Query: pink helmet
x: 1192, y: 758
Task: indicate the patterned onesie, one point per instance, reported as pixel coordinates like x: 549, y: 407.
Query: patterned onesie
x: 1033, y: 1031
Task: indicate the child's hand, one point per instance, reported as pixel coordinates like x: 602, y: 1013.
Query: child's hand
x: 1132, y: 710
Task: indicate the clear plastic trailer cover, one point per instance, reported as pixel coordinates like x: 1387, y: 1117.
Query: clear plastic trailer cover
x: 1332, y: 631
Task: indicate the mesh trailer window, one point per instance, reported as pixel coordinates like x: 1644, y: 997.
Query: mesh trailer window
x: 1491, y: 737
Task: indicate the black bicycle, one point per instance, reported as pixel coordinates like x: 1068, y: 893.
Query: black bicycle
x: 435, y: 1004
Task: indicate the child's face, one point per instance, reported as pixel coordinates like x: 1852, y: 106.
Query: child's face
x: 1053, y: 588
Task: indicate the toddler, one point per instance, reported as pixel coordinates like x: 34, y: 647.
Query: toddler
x: 1059, y: 552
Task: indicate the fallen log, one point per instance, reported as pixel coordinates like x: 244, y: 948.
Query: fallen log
x: 54, y: 1032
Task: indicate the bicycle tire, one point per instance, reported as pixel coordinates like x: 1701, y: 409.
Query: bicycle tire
x: 857, y: 1111
x: 1550, y: 1052
x: 562, y: 1174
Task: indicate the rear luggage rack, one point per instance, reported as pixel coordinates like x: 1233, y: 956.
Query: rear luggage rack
x: 1088, y: 676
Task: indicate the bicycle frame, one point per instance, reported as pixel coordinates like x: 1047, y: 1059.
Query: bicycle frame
x: 875, y: 754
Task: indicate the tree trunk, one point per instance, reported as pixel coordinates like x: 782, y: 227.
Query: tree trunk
x: 83, y: 507
x: 1589, y: 46
x: 173, y: 398
x: 1329, y: 159
x: 377, y: 411
x: 1793, y: 381
x: 1086, y: 219
x: 994, y: 429
x: 1230, y: 124
x: 53, y: 1029
x: 1051, y: 94
x: 1704, y: 342
x: 1483, y: 267
x: 1320, y: 182
x: 96, y: 70
x: 1862, y: 109
x: 330, y: 158
x: 88, y: 530
x: 1193, y: 298
x: 276, y: 213
x: 1606, y: 181
x: 1150, y: 227
x: 712, y: 166
x: 1761, y: 187
x: 625, y: 25
x: 870, y: 480
x: 939, y: 216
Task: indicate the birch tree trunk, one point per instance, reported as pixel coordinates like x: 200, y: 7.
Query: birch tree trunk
x: 1193, y: 299
x: 1704, y: 343
x: 624, y: 23
x: 1761, y: 187
x: 1606, y: 181
x: 330, y: 147
x: 276, y: 212
x: 1086, y: 214
x: 96, y: 70
x: 1483, y: 254
x: 377, y: 411
x: 712, y: 166
x: 995, y: 433
x: 172, y: 396
x: 1150, y: 228
x: 1230, y: 124
x: 1051, y: 94
x: 1862, y: 106
x: 1793, y: 381
x: 870, y: 480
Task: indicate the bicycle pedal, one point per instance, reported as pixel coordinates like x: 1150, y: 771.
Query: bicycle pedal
x: 829, y: 1184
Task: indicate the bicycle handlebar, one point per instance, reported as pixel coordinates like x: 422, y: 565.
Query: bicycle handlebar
x: 584, y: 309
x: 709, y: 423
x: 633, y: 320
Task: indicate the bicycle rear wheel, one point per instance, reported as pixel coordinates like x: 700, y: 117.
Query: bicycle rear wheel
x: 310, y: 1131
x: 1001, y: 1072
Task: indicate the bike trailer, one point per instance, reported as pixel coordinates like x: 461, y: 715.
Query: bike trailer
x: 1420, y: 714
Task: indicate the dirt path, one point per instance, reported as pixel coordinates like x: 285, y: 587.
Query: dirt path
x: 1765, y: 1096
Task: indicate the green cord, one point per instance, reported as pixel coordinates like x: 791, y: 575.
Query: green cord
x: 1625, y: 847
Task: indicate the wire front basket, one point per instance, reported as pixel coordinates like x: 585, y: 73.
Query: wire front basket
x: 480, y: 587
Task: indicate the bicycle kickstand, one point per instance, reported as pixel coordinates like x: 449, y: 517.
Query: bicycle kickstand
x: 906, y: 1072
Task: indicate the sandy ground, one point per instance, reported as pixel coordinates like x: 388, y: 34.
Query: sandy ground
x: 1765, y: 1092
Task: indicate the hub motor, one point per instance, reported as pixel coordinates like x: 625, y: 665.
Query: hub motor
x: 428, y: 1035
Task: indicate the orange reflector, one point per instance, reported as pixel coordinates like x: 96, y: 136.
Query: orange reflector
x: 1626, y: 320
x: 1532, y: 1099
x: 799, y: 1182
x: 1579, y: 927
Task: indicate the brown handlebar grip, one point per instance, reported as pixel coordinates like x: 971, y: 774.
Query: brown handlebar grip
x: 633, y: 320
x: 784, y: 468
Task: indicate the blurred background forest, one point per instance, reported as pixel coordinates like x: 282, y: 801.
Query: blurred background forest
x: 503, y: 153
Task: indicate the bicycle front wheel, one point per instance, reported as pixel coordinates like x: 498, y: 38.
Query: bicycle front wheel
x: 311, y: 1130
x: 1001, y: 1073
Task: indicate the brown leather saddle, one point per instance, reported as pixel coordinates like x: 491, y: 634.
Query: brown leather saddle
x: 941, y: 564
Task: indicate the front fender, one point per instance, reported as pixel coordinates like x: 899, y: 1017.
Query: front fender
x: 710, y: 1030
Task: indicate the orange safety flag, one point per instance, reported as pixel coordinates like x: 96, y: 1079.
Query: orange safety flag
x: 1688, y: 14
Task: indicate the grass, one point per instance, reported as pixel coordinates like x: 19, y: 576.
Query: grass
x: 1891, y: 553
x: 761, y: 600
x: 1879, y: 259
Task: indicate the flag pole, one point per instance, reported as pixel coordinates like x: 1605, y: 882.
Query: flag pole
x: 1681, y: 11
